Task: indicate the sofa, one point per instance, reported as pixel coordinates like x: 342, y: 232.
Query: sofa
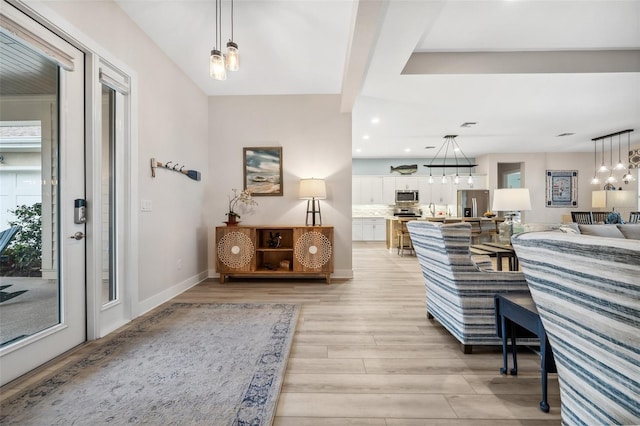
x: 460, y: 289
x: 627, y: 231
x: 587, y: 291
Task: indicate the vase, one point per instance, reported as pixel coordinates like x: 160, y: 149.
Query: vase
x: 232, y: 220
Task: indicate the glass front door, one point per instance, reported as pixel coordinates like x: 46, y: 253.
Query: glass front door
x: 42, y: 259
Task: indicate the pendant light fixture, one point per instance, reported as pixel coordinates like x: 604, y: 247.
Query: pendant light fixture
x: 217, y: 68
x: 610, y: 168
x: 628, y: 176
x: 611, y: 179
x: 219, y: 63
x: 619, y: 166
x: 595, y: 180
x: 450, y: 144
x: 603, y: 168
x: 233, y: 56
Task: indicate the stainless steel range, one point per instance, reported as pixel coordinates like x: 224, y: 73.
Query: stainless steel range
x: 407, y: 211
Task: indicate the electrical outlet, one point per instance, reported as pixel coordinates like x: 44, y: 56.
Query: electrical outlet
x: 146, y: 205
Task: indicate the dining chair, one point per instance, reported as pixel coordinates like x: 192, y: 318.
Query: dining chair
x: 634, y: 217
x: 599, y: 217
x: 582, y: 217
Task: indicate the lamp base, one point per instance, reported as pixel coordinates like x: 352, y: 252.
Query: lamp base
x: 313, y: 212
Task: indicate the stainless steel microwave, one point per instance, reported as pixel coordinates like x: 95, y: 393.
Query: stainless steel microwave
x: 407, y: 196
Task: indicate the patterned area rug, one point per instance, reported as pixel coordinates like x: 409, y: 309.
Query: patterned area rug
x: 214, y: 364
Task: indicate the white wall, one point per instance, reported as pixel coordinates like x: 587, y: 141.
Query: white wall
x: 316, y: 142
x: 533, y: 176
x: 172, y: 126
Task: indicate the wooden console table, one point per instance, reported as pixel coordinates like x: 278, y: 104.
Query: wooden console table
x: 274, y: 251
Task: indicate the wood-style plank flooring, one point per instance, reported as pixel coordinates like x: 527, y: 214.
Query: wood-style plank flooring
x: 365, y: 354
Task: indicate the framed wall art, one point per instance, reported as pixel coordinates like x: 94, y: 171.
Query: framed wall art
x: 562, y: 188
x: 263, y: 170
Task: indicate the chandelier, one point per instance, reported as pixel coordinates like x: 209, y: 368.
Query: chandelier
x: 220, y: 63
x: 621, y: 169
x: 452, y: 158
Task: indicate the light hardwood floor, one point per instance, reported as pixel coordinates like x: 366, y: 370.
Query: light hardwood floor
x: 365, y: 354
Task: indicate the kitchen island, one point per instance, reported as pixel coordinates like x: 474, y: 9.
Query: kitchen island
x: 488, y: 226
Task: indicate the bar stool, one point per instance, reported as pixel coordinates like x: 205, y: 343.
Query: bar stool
x: 404, y: 239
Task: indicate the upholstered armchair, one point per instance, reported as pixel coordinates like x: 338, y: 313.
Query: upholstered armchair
x: 587, y: 292
x: 460, y: 290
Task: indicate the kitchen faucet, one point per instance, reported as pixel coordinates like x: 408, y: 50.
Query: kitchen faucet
x: 432, y: 209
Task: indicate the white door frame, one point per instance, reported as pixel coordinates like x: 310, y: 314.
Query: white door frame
x: 104, y: 318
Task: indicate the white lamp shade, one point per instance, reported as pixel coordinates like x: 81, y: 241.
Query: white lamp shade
x: 511, y: 199
x: 612, y: 199
x: 312, y: 188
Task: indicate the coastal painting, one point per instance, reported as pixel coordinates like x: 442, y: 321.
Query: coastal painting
x: 263, y: 170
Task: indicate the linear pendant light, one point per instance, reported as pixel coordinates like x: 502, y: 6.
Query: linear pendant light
x: 610, y: 168
x: 450, y: 144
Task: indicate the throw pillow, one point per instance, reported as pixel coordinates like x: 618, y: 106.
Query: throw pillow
x: 610, y: 231
x: 630, y: 231
x: 570, y: 228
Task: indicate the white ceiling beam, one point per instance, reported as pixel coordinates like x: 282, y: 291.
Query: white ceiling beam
x: 524, y: 62
x: 365, y: 28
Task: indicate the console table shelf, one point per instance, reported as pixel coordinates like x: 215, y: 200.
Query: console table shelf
x: 283, y: 251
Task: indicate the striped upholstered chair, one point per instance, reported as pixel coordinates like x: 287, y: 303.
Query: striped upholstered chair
x: 587, y: 291
x: 460, y: 292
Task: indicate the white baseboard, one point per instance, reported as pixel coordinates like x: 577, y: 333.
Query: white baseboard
x: 168, y: 294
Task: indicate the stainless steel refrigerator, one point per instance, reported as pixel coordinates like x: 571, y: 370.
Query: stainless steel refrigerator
x: 473, y: 202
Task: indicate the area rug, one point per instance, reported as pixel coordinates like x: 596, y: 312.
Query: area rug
x: 213, y: 364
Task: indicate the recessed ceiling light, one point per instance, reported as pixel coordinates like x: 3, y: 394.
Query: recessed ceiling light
x: 365, y: 137
x: 468, y: 124
x: 375, y: 120
x: 407, y: 150
x: 358, y: 150
x: 565, y: 134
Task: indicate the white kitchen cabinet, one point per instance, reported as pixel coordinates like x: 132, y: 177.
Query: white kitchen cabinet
x: 436, y: 192
x: 406, y: 182
x: 368, y: 229
x: 356, y: 186
x: 373, y: 229
x: 389, y: 190
x: 356, y: 229
x: 366, y: 190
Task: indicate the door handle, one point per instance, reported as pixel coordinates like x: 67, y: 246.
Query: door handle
x: 77, y: 236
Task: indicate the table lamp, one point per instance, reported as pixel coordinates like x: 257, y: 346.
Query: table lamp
x: 313, y: 190
x: 510, y: 200
x: 610, y: 199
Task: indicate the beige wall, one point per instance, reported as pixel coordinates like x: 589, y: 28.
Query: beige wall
x: 172, y: 126
x: 533, y: 176
x: 316, y: 142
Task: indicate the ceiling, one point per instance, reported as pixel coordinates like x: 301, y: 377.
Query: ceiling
x: 524, y: 71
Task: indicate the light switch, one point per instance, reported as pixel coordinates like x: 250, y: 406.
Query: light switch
x: 146, y: 205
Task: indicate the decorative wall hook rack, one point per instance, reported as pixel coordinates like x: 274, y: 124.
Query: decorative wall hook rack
x: 192, y: 174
